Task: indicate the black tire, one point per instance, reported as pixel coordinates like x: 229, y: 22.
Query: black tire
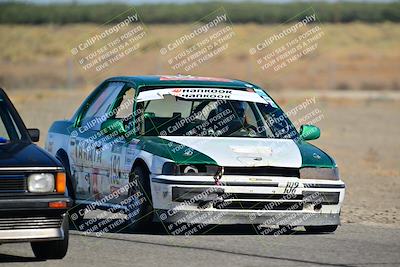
x: 52, y: 249
x: 321, y: 229
x: 140, y: 208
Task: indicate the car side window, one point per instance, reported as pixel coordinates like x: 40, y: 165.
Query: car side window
x: 125, y: 108
x: 95, y: 114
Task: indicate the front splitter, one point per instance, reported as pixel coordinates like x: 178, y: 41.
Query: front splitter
x: 239, y: 217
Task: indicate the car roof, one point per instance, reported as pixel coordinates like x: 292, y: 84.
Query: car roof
x: 182, y: 80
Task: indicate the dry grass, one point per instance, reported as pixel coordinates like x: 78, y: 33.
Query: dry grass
x: 349, y: 56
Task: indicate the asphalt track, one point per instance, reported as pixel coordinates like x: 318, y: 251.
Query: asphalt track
x: 350, y: 245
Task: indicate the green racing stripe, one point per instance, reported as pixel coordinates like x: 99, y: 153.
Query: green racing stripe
x: 179, y: 153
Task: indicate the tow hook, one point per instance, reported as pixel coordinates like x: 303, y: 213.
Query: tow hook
x: 218, y: 175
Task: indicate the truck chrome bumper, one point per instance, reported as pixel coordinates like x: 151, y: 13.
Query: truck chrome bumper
x: 32, y: 229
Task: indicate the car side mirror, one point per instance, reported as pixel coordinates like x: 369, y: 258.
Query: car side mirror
x: 309, y: 132
x: 34, y: 134
x: 113, y: 126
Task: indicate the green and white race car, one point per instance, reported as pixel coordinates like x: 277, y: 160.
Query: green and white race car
x: 195, y: 150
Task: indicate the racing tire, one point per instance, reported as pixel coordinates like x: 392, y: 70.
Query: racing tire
x: 46, y: 250
x: 321, y: 229
x: 139, y: 208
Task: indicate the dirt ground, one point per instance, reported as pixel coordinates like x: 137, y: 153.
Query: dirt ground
x: 350, y: 56
x: 360, y: 130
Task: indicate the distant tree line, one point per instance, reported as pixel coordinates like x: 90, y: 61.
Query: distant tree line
x: 343, y: 12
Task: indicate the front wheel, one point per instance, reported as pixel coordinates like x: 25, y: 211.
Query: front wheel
x: 139, y: 209
x: 52, y: 249
x: 321, y: 229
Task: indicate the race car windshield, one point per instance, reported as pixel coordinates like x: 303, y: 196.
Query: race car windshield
x: 8, y: 130
x: 174, y: 115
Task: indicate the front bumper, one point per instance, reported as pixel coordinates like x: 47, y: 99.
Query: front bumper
x: 32, y: 229
x: 247, y: 200
x: 29, y: 218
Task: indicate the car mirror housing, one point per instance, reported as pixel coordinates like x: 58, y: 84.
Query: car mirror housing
x: 309, y: 132
x: 113, y: 126
x: 34, y: 134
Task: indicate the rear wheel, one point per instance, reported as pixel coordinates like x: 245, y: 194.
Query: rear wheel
x: 321, y: 229
x: 52, y: 249
x: 139, y: 208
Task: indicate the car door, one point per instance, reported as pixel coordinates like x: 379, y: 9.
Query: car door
x: 121, y: 148
x: 90, y: 164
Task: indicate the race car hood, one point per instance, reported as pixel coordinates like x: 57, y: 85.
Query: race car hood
x: 25, y: 155
x: 240, y: 152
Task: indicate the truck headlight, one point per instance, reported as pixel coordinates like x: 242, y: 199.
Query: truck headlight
x: 319, y: 173
x: 41, y: 182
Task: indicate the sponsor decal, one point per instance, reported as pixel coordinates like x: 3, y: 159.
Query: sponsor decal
x: 192, y: 78
x: 202, y: 93
x: 96, y: 183
x: 188, y: 153
x: 130, y: 155
x: 316, y: 156
x: 83, y: 155
x: 115, y: 168
x: 117, y: 149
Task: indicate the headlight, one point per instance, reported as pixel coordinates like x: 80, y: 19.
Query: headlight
x: 319, y: 173
x: 171, y: 168
x: 41, y: 182
x: 190, y: 169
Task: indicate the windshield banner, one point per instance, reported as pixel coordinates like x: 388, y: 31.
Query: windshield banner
x: 202, y: 93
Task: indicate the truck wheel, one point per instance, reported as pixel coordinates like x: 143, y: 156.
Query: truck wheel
x: 139, y: 208
x: 52, y: 249
x: 321, y: 229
